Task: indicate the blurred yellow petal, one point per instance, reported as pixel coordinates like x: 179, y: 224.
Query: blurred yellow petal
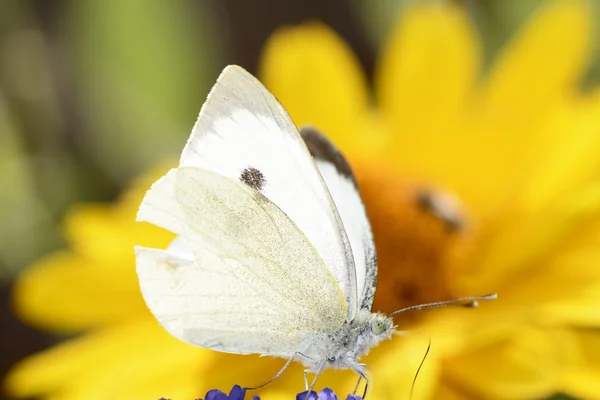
x: 429, y: 66
x: 532, y: 238
x: 180, y: 383
x: 317, y: 78
x: 565, y: 277
x: 573, y: 129
x: 93, y: 363
x: 580, y: 309
x: 86, y: 224
x: 479, y: 164
x: 504, y: 142
x: 396, y: 365
x: 65, y: 292
x: 447, y: 391
x: 582, y: 380
x: 541, y: 65
x: 528, y: 366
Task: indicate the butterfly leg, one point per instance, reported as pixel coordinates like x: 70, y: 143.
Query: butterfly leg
x: 360, y: 370
x: 281, y: 371
x: 358, y: 382
x: 306, y: 371
x: 357, y: 385
x: 366, y: 379
x: 305, y: 379
x: 314, y: 382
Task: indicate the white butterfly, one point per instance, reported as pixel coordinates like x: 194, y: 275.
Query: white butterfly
x: 274, y: 253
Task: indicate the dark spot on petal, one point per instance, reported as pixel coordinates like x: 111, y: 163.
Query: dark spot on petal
x: 253, y: 178
x: 434, y: 205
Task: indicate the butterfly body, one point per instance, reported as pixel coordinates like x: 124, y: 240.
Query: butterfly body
x: 343, y: 348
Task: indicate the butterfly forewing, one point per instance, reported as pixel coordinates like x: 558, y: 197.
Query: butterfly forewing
x: 245, y: 134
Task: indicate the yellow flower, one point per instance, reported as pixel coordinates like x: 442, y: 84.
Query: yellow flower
x: 519, y: 148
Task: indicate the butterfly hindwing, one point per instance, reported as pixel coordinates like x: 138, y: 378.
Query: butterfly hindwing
x: 252, y: 282
x: 342, y: 185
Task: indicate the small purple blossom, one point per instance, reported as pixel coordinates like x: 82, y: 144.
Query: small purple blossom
x: 236, y: 393
x: 239, y: 393
x: 325, y: 394
x: 353, y: 397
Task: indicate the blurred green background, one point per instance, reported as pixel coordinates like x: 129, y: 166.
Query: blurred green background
x: 93, y: 93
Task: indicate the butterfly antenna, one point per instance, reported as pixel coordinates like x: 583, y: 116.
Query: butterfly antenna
x: 470, y: 302
x: 412, y: 387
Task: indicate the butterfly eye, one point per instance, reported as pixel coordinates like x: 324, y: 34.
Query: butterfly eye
x: 378, y: 326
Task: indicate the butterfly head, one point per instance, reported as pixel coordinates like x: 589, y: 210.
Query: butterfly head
x: 371, y: 328
x: 381, y: 324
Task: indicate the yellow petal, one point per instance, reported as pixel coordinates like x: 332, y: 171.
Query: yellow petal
x: 108, y: 232
x: 569, y: 145
x: 249, y: 371
x: 395, y: 365
x: 275, y: 394
x: 317, y: 78
x: 581, y: 309
x: 100, y: 232
x: 104, y: 359
x: 451, y: 391
x: 478, y: 164
x: 530, y: 240
x: 528, y: 366
x: 486, y: 157
x: 180, y: 383
x: 174, y: 378
x: 64, y: 292
x: 428, y: 68
x: 541, y: 65
x: 582, y: 380
x: 565, y: 278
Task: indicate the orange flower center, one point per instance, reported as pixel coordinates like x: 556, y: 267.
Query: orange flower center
x: 419, y: 234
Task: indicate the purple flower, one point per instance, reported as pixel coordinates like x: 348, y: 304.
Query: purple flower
x: 238, y: 393
x: 325, y: 394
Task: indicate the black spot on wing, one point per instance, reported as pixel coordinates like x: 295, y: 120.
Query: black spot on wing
x: 322, y: 149
x: 253, y: 178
